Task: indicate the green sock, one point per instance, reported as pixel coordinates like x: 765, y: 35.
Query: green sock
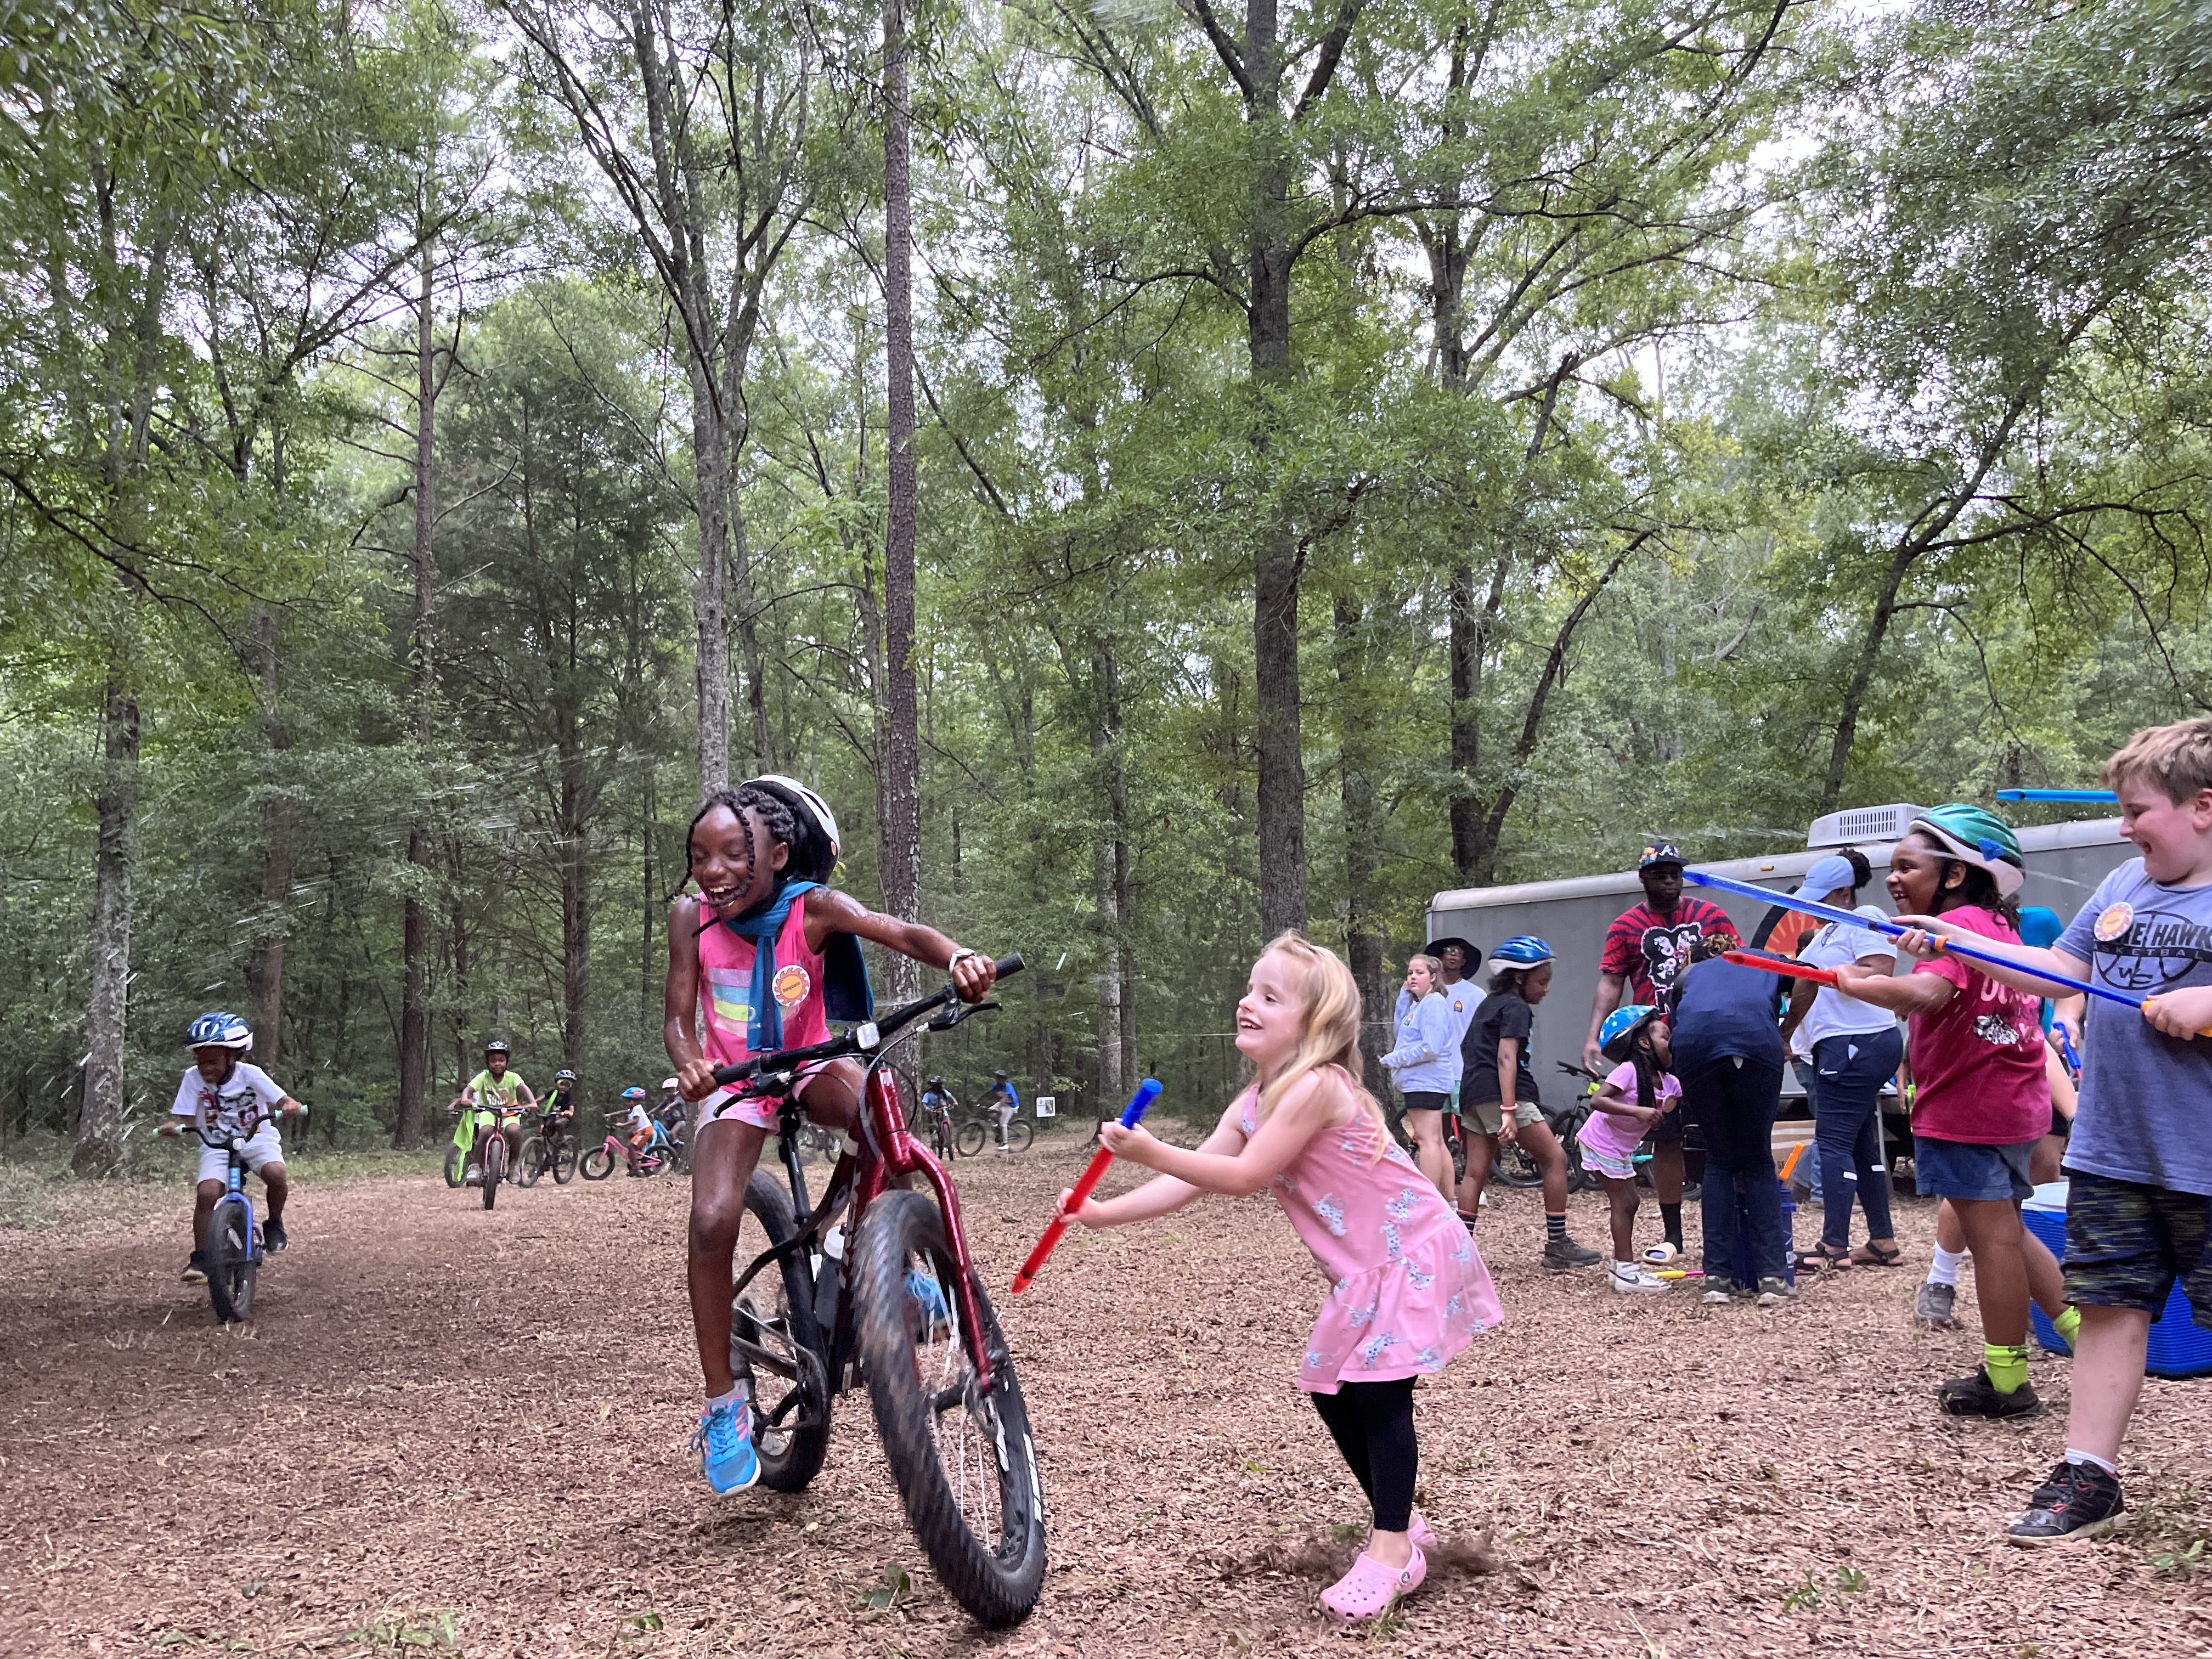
x: 2068, y: 1324
x: 2007, y: 1367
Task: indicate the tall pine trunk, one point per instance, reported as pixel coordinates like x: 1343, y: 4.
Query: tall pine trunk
x: 899, y: 831
x: 1363, y: 918
x: 414, y: 932
x: 1116, y: 1037
x: 264, y: 970
x: 100, y: 1125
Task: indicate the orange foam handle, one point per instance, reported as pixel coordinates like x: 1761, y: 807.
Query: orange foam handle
x: 1790, y: 1162
x: 1093, y: 1173
x: 2150, y: 1003
x: 1777, y: 965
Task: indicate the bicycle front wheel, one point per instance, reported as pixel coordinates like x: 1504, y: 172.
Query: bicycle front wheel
x: 598, y: 1164
x: 963, y: 1459
x: 494, y: 1168
x: 231, y: 1266
x: 564, y: 1163
x: 970, y: 1139
x: 532, y: 1164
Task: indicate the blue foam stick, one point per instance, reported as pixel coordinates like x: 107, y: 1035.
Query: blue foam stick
x: 2058, y: 794
x: 2073, y: 1059
x: 1852, y: 919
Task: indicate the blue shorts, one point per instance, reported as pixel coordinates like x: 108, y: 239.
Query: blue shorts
x: 1963, y: 1170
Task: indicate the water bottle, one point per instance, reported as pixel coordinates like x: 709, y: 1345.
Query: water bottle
x: 827, y: 1269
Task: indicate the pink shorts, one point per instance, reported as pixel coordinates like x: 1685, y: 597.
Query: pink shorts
x: 759, y: 1110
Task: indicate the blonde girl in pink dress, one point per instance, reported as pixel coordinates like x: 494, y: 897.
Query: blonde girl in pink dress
x: 1408, y: 1289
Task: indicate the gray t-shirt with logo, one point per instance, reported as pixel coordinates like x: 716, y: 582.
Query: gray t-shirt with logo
x: 2145, y: 1111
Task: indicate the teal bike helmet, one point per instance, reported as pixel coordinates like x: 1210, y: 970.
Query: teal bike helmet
x: 1979, y: 838
x: 1621, y: 1027
x: 1521, y: 950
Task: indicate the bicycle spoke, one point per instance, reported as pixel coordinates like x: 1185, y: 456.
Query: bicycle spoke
x: 965, y: 1441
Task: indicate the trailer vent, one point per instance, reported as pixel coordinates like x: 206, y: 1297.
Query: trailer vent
x: 1862, y: 823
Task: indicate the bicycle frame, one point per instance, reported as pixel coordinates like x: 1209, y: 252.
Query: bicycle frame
x: 886, y: 1152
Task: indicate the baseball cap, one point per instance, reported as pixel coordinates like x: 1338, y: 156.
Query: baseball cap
x: 1826, y: 876
x: 1660, y: 852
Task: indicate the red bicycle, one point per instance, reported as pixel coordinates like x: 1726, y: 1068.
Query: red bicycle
x: 902, y: 1311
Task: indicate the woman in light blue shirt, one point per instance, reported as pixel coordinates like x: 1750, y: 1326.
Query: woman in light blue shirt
x: 1426, y: 1063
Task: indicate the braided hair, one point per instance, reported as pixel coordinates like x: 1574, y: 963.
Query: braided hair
x: 810, y: 857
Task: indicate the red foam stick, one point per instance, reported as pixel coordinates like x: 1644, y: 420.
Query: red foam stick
x: 1093, y: 1173
x: 1780, y: 965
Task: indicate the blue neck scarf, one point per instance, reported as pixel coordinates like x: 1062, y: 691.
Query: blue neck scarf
x: 765, y: 1023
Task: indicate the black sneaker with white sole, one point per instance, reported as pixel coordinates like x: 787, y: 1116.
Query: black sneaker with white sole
x: 196, y: 1269
x: 1977, y: 1396
x: 272, y: 1236
x: 2079, y: 1500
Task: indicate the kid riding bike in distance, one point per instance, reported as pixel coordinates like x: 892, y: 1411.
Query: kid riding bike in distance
x: 763, y: 959
x: 493, y: 1089
x: 223, y: 1092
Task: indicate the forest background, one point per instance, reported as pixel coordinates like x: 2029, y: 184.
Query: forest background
x: 1363, y: 448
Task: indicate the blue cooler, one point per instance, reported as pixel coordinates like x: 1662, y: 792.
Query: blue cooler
x: 2178, y: 1346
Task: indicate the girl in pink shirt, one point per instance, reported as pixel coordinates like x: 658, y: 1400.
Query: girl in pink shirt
x: 1632, y: 1098
x: 1408, y: 1289
x: 764, y: 958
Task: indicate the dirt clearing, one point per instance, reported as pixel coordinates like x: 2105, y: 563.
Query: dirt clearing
x: 448, y: 1430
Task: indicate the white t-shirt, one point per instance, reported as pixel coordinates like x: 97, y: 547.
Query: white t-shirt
x: 1460, y: 1001
x: 639, y: 1118
x: 248, y: 1096
x: 1833, y: 1013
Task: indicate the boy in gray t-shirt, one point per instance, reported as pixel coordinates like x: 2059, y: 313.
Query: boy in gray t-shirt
x: 2139, y: 1206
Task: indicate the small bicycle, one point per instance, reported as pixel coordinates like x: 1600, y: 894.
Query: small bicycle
x: 232, y: 1250
x: 877, y: 1280
x: 660, y: 1153
x: 551, y: 1145
x: 487, y: 1124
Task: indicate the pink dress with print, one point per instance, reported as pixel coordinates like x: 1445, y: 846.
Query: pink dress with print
x: 725, y: 995
x: 1410, y: 1289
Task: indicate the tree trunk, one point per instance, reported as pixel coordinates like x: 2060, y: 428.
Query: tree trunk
x: 1110, y: 864
x: 1362, y: 922
x: 265, y: 972
x: 100, y: 1125
x: 1280, y: 748
x: 900, y: 830
x: 575, y: 898
x: 415, y: 932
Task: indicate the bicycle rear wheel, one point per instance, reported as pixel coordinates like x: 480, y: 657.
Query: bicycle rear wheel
x: 454, y: 1166
x: 231, y: 1266
x: 774, y: 1340
x: 970, y: 1139
x: 494, y: 1167
x: 964, y: 1460
x: 1019, y: 1136
x: 532, y: 1164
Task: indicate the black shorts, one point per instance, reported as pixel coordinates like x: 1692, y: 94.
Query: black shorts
x: 1425, y: 1100
x: 2128, y: 1242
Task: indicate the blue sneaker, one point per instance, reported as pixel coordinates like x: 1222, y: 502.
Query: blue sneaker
x: 724, y: 1441
x: 936, y: 1313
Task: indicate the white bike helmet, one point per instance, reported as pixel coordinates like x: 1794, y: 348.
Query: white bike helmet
x: 813, y: 810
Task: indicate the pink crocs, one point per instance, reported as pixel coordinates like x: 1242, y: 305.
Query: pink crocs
x: 1423, y: 1534
x: 1370, y: 1588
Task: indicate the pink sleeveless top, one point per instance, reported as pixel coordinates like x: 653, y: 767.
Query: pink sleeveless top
x: 725, y: 988
x: 1409, y: 1288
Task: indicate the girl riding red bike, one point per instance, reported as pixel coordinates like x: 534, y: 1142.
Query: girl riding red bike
x: 763, y: 959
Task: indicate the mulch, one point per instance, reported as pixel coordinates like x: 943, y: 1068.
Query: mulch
x: 449, y: 1430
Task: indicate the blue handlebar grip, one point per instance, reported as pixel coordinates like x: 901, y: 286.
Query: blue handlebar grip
x: 1147, y: 1092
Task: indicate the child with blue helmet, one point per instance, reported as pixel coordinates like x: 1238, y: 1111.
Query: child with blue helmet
x: 221, y: 1093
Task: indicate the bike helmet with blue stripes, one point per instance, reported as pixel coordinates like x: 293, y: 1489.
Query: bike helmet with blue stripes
x: 1521, y: 950
x: 633, y: 1093
x: 1621, y: 1027
x: 219, y: 1030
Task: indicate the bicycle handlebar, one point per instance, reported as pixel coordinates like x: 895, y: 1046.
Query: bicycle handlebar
x: 866, y: 1038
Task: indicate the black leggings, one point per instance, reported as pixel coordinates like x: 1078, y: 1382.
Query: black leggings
x: 1373, y: 1424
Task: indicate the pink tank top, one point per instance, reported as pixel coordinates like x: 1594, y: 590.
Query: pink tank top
x: 725, y: 988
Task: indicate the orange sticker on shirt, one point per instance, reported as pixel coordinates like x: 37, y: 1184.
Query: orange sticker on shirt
x: 792, y: 985
x: 2116, y: 920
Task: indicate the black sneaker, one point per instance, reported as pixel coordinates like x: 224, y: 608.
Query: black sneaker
x: 1977, y: 1396
x: 272, y: 1236
x: 196, y: 1269
x: 2080, y: 1500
